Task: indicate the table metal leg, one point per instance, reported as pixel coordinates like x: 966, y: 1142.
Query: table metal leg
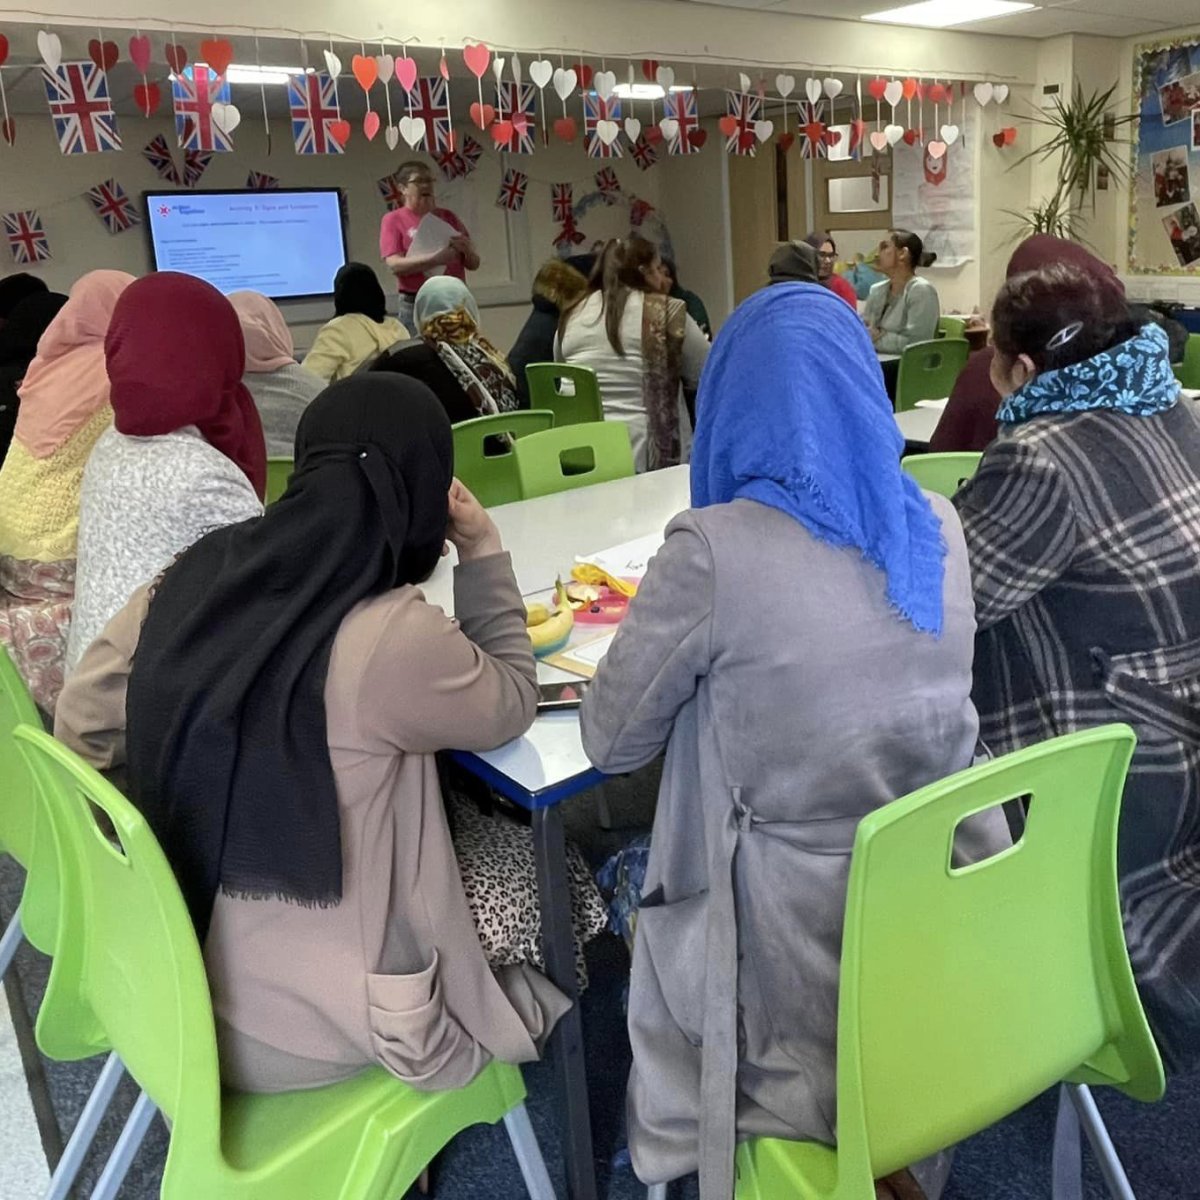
x: 566, y: 1042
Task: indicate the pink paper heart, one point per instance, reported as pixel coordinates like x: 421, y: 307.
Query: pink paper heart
x: 879, y: 140
x: 406, y: 73
x: 936, y: 149
x: 520, y: 122
x: 477, y: 57
x: 371, y: 125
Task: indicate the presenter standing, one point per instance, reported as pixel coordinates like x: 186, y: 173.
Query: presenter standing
x: 396, y: 237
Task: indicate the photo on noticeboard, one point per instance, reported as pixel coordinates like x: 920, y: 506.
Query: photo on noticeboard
x: 1179, y: 97
x: 1171, y: 178
x: 1183, y: 230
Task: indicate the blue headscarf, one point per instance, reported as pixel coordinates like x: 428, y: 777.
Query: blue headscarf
x: 792, y: 413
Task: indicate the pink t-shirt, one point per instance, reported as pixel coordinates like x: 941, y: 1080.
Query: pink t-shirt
x: 396, y: 235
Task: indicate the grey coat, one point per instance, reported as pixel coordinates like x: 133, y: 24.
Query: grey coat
x: 791, y: 701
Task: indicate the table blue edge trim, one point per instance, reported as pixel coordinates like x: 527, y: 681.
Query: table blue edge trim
x: 507, y: 787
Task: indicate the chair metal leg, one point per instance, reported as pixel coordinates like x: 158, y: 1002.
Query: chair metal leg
x: 84, y: 1132
x: 13, y: 934
x: 1097, y: 1133
x: 1067, y: 1162
x: 656, y: 1191
x: 125, y: 1150
x: 529, y: 1154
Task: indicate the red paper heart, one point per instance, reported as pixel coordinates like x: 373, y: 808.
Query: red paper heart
x: 482, y: 114
x: 653, y: 135
x: 998, y: 138
x: 371, y: 125
x: 786, y: 141
x: 565, y: 129
x: 8, y: 130
x: 218, y: 53
x: 103, y: 54
x: 938, y: 93
x: 177, y: 57
x: 728, y: 126
x: 477, y: 58
x: 406, y: 73
x: 502, y: 133
x: 3, y: 49
x: 1010, y: 135
x: 909, y: 89
x: 366, y: 70
x: 585, y: 73
x: 650, y: 69
x: 698, y: 137
x: 520, y: 122
x: 747, y: 139
x: 858, y: 127
x: 339, y: 131
x: 444, y: 68
x: 147, y: 97
x: 910, y: 137
x: 920, y: 90
x: 876, y: 88
x: 832, y: 137
x: 140, y: 52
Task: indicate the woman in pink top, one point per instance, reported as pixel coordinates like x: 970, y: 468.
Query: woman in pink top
x: 396, y: 237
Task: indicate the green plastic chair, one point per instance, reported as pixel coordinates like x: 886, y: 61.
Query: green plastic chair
x: 951, y: 327
x: 127, y: 967
x: 942, y: 473
x: 569, y: 408
x: 1189, y: 372
x: 493, y: 477
x: 554, y: 461
x: 928, y: 370
x: 967, y: 991
x: 279, y: 471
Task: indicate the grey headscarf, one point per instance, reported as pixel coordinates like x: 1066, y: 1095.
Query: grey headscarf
x: 794, y: 262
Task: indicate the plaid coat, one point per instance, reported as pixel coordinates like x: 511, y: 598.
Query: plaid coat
x: 1083, y: 533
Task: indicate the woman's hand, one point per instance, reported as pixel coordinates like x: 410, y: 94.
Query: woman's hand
x: 469, y: 527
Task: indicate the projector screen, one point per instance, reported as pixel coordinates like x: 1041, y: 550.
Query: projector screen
x: 287, y: 245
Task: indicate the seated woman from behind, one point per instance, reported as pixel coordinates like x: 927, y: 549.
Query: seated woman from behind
x: 185, y: 453
x: 64, y: 409
x: 279, y: 712
x: 359, y: 331
x: 643, y: 347
x: 1083, y: 537
x: 808, y: 564
x: 557, y: 285
x: 281, y: 387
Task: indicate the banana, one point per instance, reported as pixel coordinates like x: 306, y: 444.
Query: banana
x: 536, y: 614
x: 551, y: 635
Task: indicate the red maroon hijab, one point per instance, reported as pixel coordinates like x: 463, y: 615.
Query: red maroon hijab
x: 175, y: 357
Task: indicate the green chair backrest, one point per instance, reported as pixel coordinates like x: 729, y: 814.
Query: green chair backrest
x: 493, y: 477
x: 127, y: 970
x: 572, y: 407
x: 279, y: 471
x: 966, y: 991
x: 1189, y: 375
x: 951, y: 327
x: 942, y: 473
x: 928, y: 370
x: 554, y: 461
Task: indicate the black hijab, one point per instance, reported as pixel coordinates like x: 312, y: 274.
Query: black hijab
x: 15, y: 288
x: 356, y: 289
x: 19, y: 337
x: 227, y: 745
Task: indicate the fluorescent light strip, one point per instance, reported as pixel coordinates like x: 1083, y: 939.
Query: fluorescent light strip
x: 941, y: 14
x: 647, y: 91
x: 249, y: 73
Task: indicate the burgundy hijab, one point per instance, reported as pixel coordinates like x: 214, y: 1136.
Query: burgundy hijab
x: 175, y: 357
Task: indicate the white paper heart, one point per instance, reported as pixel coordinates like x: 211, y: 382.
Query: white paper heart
x: 937, y: 149
x: 763, y: 129
x: 744, y: 81
x: 665, y: 77
x: 669, y: 127
x: 949, y: 134
x: 1000, y: 92
x: 498, y: 67
x: 226, y: 117
x: 391, y: 135
x: 333, y: 64
x: 630, y: 75
x: 812, y: 89
x: 565, y: 80
x: 412, y: 129
x: 785, y: 85
x: 984, y: 93
x: 517, y: 72
x: 633, y: 128
x: 894, y: 92
x: 879, y: 140
x: 50, y: 48
x: 833, y: 88
x: 387, y: 68
x: 893, y: 133
x: 605, y: 83
x: 541, y: 71
x: 607, y: 131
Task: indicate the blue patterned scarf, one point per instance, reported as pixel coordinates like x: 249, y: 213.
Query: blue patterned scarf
x: 1134, y: 377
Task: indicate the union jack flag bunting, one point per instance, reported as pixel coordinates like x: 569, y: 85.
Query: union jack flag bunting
x: 644, y: 154
x: 113, y: 206
x: 158, y: 155
x: 639, y: 210
x: 450, y: 163
x: 471, y: 152
x: 260, y: 181
x: 391, y: 191
x: 595, y: 110
x: 27, y: 239
x: 609, y: 184
x: 194, y: 91
x: 518, y: 102
x: 681, y: 108
x: 84, y: 121
x: 512, y: 190
x: 430, y: 99
x: 814, y: 136
x: 745, y: 109
x: 562, y: 201
x: 314, y: 103
x: 195, y: 163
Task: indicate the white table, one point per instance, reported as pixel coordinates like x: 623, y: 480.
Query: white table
x: 918, y: 424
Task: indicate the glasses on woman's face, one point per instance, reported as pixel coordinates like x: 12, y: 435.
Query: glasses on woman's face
x: 827, y: 254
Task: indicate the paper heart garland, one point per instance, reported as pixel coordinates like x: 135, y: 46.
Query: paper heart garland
x: 177, y: 58
x: 763, y: 129
x: 984, y: 93
x: 879, y: 140
x: 938, y: 93
x: 936, y: 150
x: 50, y: 48
x: 786, y: 141
x: 498, y: 64
x: 832, y: 137
x: 565, y: 80
x: 665, y: 78
x: 949, y: 134
x: 147, y: 97
x: 412, y: 130
x: 607, y: 131
x: 998, y: 139
x: 103, y: 54
x: 226, y: 117
x: 541, y: 71
x: 669, y: 127
x: 516, y: 69
x: 477, y: 57
x: 371, y: 124
x: 649, y: 69
x: 744, y: 81
x: 340, y: 131
x: 728, y: 125
x: 406, y: 73
x: 893, y: 133
x: 1000, y: 92
x: 812, y: 89
x: 217, y: 53
x: 391, y: 135
x: 444, y: 72
x: 746, y: 140
x: 833, y: 88
x: 502, y: 133
x: 633, y: 128
x: 8, y: 130
x: 876, y: 88
x: 698, y: 137
x: 140, y: 52
x: 366, y: 71
x: 785, y: 85
x: 606, y: 84
x: 482, y: 114
x: 565, y: 129
x: 585, y: 75
x: 385, y: 68
x: 1010, y: 135
x: 912, y: 136
x: 520, y: 122
x: 653, y: 135
x: 908, y: 89
x: 3, y: 49
x: 894, y: 92
x: 333, y: 64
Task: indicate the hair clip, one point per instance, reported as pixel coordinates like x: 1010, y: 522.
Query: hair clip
x: 1064, y: 335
